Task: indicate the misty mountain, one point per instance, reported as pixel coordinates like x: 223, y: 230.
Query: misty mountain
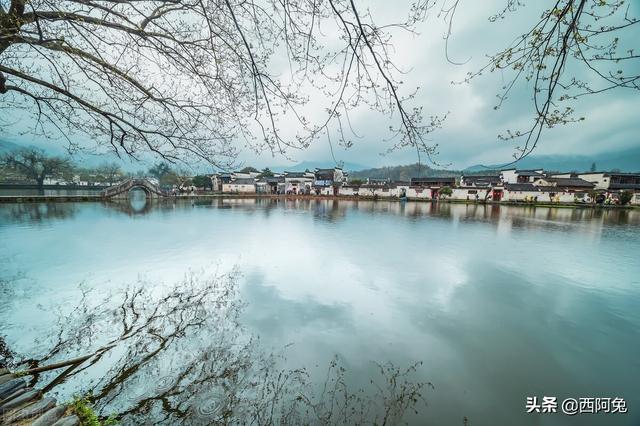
x: 626, y: 161
x: 404, y: 173
x: 6, y: 146
x: 311, y: 165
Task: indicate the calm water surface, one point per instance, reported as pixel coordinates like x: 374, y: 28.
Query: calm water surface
x: 499, y: 303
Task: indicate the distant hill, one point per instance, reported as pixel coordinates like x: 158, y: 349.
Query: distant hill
x: 626, y: 161
x: 311, y: 165
x: 408, y: 171
x: 6, y: 146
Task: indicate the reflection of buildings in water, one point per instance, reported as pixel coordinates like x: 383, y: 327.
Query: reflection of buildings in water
x: 505, y: 218
x: 245, y: 202
x: 428, y: 208
x: 589, y: 221
x: 328, y: 210
x: 36, y: 212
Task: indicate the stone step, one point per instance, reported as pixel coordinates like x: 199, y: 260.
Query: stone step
x: 14, y: 395
x: 20, y: 400
x: 68, y: 421
x: 9, y: 387
x: 50, y: 417
x: 6, y: 378
x: 33, y: 410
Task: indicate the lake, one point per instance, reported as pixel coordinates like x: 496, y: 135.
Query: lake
x: 498, y: 303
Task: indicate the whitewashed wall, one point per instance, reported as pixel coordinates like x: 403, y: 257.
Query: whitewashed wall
x: 414, y: 192
x: 463, y: 193
x: 238, y: 188
x: 348, y: 191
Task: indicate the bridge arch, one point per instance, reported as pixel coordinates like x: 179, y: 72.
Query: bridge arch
x: 122, y: 189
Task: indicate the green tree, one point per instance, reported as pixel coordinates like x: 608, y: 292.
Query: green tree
x: 249, y: 169
x: 159, y: 170
x: 34, y: 164
x: 593, y: 167
x: 170, y: 178
x: 445, y: 191
x: 266, y: 172
x: 202, y: 181
x: 356, y: 182
x: 625, y: 197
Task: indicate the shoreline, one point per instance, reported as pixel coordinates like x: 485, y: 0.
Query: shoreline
x: 6, y: 199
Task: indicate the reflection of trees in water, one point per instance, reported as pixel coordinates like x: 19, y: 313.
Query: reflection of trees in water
x: 36, y: 212
x: 180, y: 355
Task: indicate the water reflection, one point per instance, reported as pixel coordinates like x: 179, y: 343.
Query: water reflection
x: 180, y: 356
x: 36, y: 212
x: 138, y: 200
x: 499, y: 302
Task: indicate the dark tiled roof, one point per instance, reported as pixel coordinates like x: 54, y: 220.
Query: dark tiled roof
x: 481, y: 180
x: 633, y: 186
x: 570, y: 182
x: 243, y: 181
x: 324, y: 174
x: 528, y: 173
x: 296, y: 175
x: 433, y: 180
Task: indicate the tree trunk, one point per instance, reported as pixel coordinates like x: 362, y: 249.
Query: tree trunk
x: 40, y: 181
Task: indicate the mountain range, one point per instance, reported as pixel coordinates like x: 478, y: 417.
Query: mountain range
x: 311, y: 165
x: 625, y: 161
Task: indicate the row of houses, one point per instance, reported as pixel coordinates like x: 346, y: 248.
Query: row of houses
x: 318, y: 182
x: 508, y: 185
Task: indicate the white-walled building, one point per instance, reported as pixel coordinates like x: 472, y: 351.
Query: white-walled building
x: 613, y: 181
x: 521, y: 176
x: 570, y: 184
x: 240, y: 186
x: 298, y: 182
x: 328, y: 181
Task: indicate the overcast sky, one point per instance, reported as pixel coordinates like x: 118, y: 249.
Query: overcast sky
x: 469, y: 135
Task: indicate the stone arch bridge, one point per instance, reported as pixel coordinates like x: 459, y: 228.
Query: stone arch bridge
x: 122, y: 189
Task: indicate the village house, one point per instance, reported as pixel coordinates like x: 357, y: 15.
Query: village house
x: 521, y: 176
x: 240, y: 186
x: 479, y: 187
x: 521, y: 192
x: 328, y: 181
x: 218, y: 179
x: 298, y: 182
x: 271, y: 185
x: 613, y: 181
x: 565, y: 184
x: 432, y: 184
x: 349, y: 190
x: 480, y: 181
x: 384, y: 190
